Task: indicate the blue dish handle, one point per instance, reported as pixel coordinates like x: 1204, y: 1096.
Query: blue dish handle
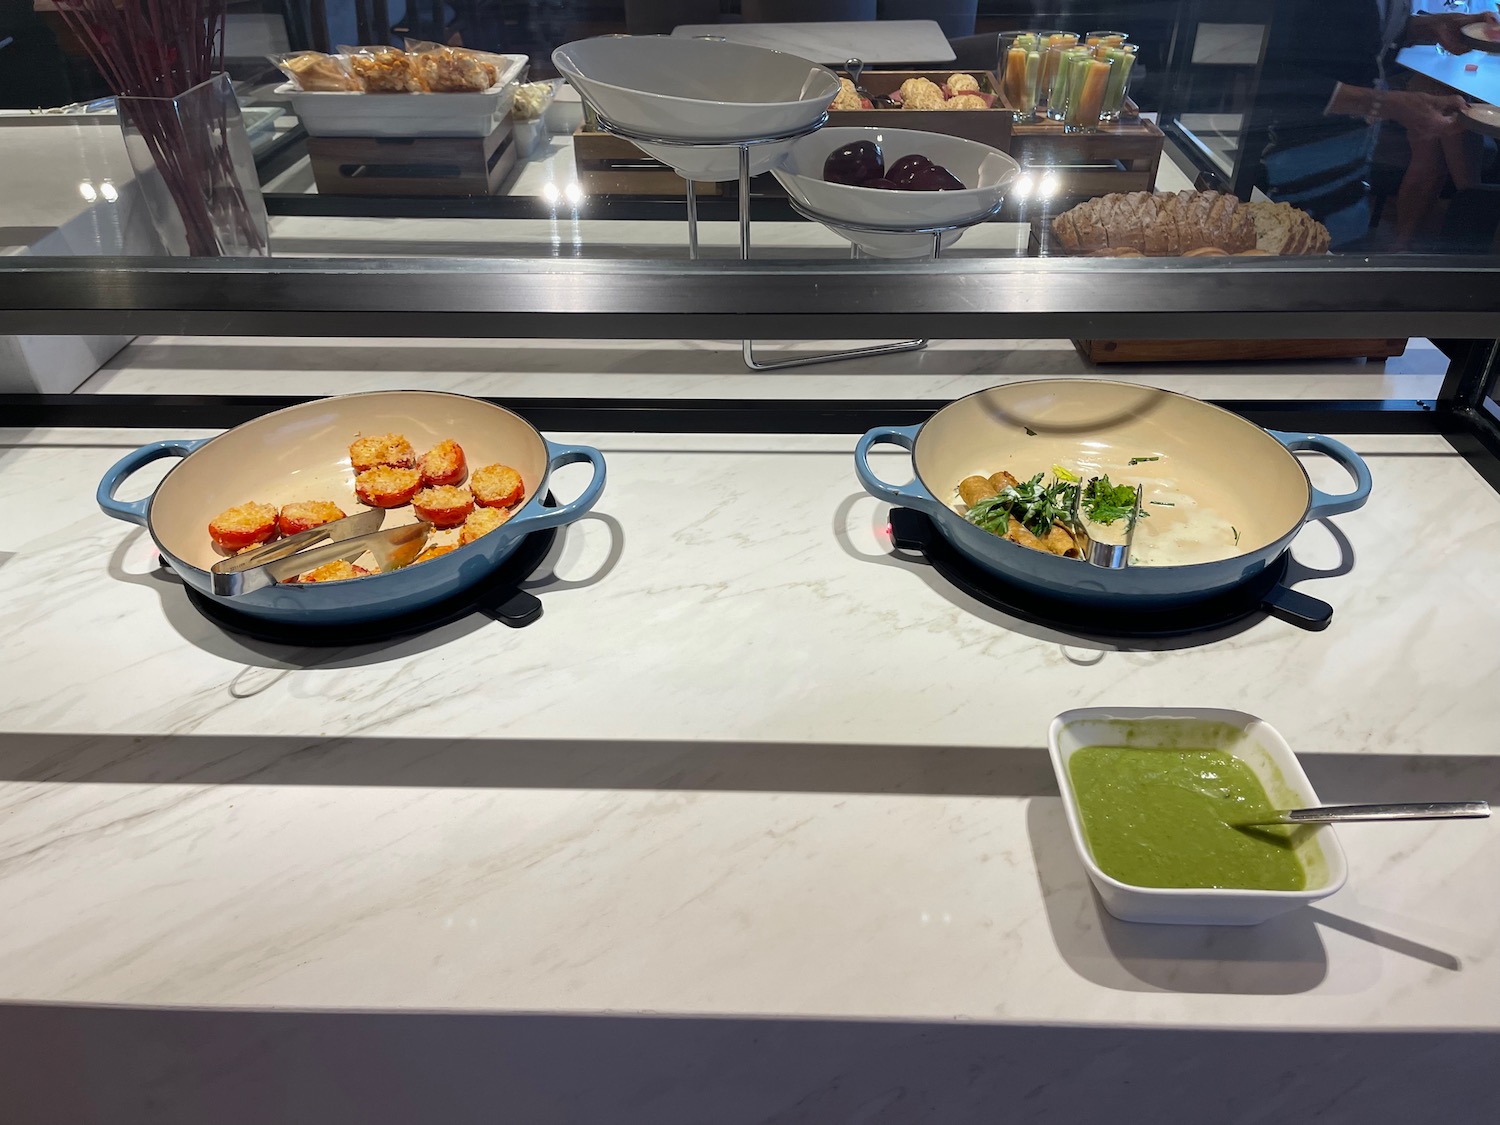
x: 1325, y: 503
x: 134, y: 511
x: 539, y: 518
x: 911, y: 495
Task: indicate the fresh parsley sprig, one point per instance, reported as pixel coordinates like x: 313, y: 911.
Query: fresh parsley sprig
x: 1103, y: 502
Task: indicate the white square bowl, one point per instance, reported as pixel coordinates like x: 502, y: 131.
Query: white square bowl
x: 1254, y: 742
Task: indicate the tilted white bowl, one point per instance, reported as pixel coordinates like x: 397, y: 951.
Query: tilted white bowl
x: 985, y: 171
x: 1256, y: 743
x: 698, y: 90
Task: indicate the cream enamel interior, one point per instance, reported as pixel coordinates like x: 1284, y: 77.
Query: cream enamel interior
x: 302, y: 453
x: 1222, y: 476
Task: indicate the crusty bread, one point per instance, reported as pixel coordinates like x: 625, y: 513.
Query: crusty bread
x: 1163, y: 224
x: 1281, y: 228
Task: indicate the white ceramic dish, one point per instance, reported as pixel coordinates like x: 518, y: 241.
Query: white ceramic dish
x: 986, y: 171
x: 337, y: 113
x: 1483, y: 119
x: 698, y: 90
x: 1483, y: 36
x: 1254, y: 742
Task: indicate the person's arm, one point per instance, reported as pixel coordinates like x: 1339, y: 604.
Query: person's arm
x: 1423, y: 115
x: 1446, y: 29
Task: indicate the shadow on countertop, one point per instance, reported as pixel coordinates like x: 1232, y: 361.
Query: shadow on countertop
x: 91, y: 1064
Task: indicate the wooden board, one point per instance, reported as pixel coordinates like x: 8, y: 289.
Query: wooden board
x: 413, y: 166
x: 611, y: 165
x: 1121, y: 156
x: 1230, y: 351
x: 987, y: 126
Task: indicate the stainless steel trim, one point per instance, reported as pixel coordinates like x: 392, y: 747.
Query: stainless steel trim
x: 495, y: 298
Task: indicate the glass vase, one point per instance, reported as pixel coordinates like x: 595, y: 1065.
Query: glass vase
x: 194, y: 166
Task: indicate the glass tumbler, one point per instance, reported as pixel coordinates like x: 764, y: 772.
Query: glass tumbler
x: 1021, y: 54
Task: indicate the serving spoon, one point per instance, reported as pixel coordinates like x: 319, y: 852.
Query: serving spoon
x: 1338, y: 814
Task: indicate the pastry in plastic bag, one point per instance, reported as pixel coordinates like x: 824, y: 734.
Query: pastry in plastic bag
x: 452, y: 70
x: 317, y: 72
x: 384, y: 70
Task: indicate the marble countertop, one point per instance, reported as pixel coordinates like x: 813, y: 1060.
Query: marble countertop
x: 748, y: 764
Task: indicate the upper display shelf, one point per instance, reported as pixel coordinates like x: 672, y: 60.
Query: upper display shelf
x: 1034, y: 143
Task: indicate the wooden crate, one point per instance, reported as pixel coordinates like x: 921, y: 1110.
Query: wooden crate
x: 987, y: 126
x: 1230, y: 351
x: 1121, y: 156
x: 430, y: 166
x: 611, y: 165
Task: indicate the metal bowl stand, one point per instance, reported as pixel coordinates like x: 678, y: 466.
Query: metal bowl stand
x: 747, y: 349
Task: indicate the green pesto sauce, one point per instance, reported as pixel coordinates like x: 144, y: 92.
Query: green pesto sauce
x: 1157, y: 818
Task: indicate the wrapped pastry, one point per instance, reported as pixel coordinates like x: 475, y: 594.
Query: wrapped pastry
x: 385, y: 70
x: 532, y: 99
x: 317, y: 72
x: 452, y: 70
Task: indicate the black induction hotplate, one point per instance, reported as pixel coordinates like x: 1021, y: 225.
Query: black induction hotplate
x: 1263, y: 595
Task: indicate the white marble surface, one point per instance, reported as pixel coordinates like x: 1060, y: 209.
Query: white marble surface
x: 746, y: 764
x: 755, y: 824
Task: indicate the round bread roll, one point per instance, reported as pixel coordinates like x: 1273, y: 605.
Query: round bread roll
x: 965, y: 101
x: 1256, y: 253
x: 958, y: 83
x: 1206, y: 252
x: 921, y: 93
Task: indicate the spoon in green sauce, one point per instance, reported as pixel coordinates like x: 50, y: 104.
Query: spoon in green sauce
x: 1339, y: 814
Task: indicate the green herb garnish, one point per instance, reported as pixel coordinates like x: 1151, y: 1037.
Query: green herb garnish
x: 1029, y: 431
x: 1162, y: 503
x: 1103, y: 502
x: 1068, y: 475
x: 1236, y: 534
x: 1036, y: 506
x: 1141, y: 460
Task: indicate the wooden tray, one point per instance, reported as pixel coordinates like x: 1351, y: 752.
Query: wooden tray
x: 1230, y: 351
x: 1122, y: 156
x: 611, y: 165
x: 987, y: 126
x: 430, y: 166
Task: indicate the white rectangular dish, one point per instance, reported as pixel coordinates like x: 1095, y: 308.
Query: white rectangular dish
x: 1254, y: 742
x: 349, y: 114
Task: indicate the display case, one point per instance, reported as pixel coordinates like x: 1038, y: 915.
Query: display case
x: 723, y: 792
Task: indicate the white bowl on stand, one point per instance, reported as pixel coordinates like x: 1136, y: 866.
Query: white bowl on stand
x: 986, y: 173
x: 698, y: 90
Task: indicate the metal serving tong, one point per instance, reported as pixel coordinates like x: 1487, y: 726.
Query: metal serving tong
x: 347, y: 539
x: 1109, y: 556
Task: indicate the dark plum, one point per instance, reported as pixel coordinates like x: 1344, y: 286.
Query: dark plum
x: 908, y: 166
x: 934, y: 178
x: 882, y: 182
x: 854, y: 164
